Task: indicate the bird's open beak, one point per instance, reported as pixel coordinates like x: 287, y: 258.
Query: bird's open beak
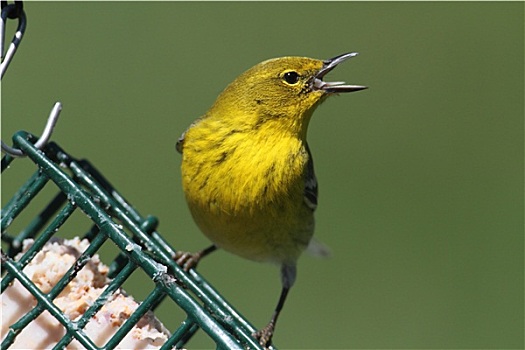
x: 334, y: 86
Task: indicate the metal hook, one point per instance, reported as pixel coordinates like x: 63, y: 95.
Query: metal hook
x: 46, y: 134
x: 11, y: 11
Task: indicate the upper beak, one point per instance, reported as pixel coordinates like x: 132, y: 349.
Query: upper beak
x: 334, y: 86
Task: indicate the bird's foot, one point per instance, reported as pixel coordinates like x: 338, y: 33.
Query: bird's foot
x: 187, y: 260
x: 264, y: 336
x: 190, y: 260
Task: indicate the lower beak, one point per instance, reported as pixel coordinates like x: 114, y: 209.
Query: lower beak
x: 334, y: 86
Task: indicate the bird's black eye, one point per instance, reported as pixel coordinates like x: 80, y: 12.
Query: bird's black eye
x: 291, y: 77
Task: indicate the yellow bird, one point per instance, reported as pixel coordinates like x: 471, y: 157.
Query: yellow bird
x: 247, y: 171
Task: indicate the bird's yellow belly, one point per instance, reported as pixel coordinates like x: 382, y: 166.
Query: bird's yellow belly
x: 256, y: 235
x: 254, y: 210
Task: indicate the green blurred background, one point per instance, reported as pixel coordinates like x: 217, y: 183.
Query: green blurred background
x: 421, y: 176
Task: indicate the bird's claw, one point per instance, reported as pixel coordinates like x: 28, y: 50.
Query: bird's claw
x: 187, y: 260
x: 264, y: 336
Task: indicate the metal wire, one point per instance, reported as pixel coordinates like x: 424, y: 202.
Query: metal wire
x: 16, y: 11
x: 12, y: 11
x: 46, y: 134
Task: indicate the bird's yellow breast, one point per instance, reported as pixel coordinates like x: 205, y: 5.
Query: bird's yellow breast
x: 252, y: 204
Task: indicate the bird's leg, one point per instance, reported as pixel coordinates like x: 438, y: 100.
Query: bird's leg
x: 188, y: 260
x: 264, y: 336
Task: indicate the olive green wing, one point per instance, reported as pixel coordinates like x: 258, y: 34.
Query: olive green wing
x: 311, y: 192
x: 310, y: 183
x: 180, y: 142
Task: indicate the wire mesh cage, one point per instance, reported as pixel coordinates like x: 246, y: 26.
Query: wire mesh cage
x: 77, y: 187
x: 81, y: 187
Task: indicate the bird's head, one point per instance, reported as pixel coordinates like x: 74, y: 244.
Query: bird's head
x: 284, y: 90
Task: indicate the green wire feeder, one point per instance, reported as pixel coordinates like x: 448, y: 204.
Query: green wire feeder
x: 115, y: 221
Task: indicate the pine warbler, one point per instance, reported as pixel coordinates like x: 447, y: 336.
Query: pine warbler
x: 247, y: 171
